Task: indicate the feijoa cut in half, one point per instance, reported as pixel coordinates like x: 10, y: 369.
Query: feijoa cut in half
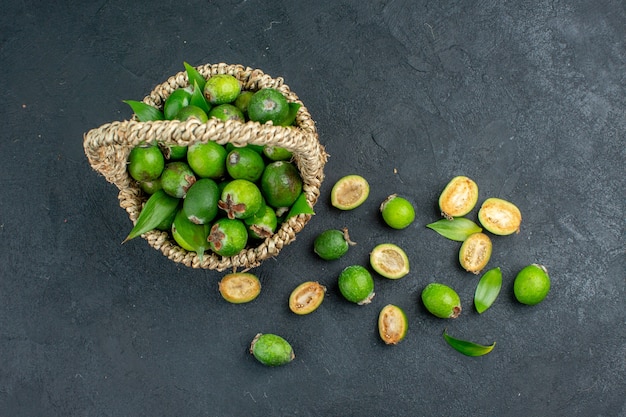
x: 500, y: 217
x: 475, y: 252
x: 239, y: 287
x: 307, y: 297
x: 349, y: 192
x: 459, y: 197
x: 392, y: 324
x: 389, y: 260
x: 271, y: 349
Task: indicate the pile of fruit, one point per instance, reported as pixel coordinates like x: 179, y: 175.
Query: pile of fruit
x: 214, y: 197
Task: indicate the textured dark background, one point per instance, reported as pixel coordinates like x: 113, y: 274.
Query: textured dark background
x: 526, y: 97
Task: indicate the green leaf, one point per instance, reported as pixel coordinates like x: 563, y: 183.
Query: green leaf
x: 197, y: 98
x: 144, y: 112
x: 488, y: 289
x: 158, y: 208
x: 468, y: 348
x: 300, y: 206
x: 291, y: 116
x: 458, y: 229
x: 194, y: 76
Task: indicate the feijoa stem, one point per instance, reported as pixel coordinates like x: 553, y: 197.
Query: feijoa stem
x: 457, y: 229
x: 466, y: 347
x: 488, y: 289
x: 158, y: 208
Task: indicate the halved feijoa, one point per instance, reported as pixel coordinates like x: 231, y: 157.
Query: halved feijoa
x: 500, y: 217
x: 389, y: 260
x: 239, y: 287
x: 458, y: 197
x: 475, y: 252
x: 307, y: 297
x: 392, y: 324
x: 349, y: 192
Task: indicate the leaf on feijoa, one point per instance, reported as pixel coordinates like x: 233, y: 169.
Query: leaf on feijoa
x: 158, y: 208
x: 194, y: 76
x: 144, y: 112
x: 197, y: 98
x: 300, y: 206
x: 291, y: 116
x: 458, y: 229
x: 487, y: 289
x: 466, y: 347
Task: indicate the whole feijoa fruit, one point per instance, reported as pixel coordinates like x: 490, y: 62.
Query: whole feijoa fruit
x: 241, y: 199
x: 532, y: 284
x: 245, y: 163
x: 262, y: 224
x: 225, y: 112
x: 228, y: 237
x: 356, y: 284
x: 145, y: 163
x: 200, y: 203
x: 221, y: 89
x: 441, y: 301
x: 500, y: 217
x: 397, y: 212
x: 271, y: 349
x: 332, y: 244
x: 177, y: 178
x: 268, y: 104
x: 281, y: 184
x: 458, y: 197
x: 208, y: 160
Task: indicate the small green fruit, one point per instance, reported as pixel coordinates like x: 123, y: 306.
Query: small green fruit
x: 356, y: 284
x: 332, y: 244
x: 271, y: 349
x: 532, y: 284
x: 441, y: 301
x: 397, y: 212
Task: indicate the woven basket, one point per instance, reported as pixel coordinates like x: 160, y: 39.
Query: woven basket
x: 107, y: 149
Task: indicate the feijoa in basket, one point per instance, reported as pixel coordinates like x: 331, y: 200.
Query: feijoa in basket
x: 224, y: 162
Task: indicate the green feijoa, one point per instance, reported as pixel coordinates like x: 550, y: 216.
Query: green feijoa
x: 300, y: 206
x: 532, y: 284
x: 227, y: 112
x: 466, y: 347
x: 231, y: 147
x: 332, y: 244
x: 240, y: 199
x: 221, y: 89
x: 475, y: 252
x: 281, y: 184
x: 228, y: 237
x: 198, y: 100
x: 144, y: 112
x: 276, y: 153
x: 151, y: 186
x: 158, y: 208
x: 200, y: 203
x: 245, y: 163
x: 207, y: 160
x: 243, y: 100
x: 268, y: 104
x: 145, y: 163
x: 441, y: 301
x: 392, y: 324
x: 175, y: 152
x: 194, y: 77
x: 397, y: 212
x: 487, y: 289
x: 191, y: 112
x: 190, y: 236
x: 179, y: 98
x: 271, y: 349
x: 457, y: 229
x: 291, y: 114
x: 263, y: 223
x: 177, y: 178
x: 356, y: 284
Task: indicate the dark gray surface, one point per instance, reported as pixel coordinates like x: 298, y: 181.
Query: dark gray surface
x: 527, y: 98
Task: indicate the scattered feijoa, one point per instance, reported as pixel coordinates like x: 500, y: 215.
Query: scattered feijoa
x: 332, y: 244
x: 356, y: 284
x: 458, y: 197
x: 349, y: 192
x: 306, y: 297
x: 389, y: 260
x: 392, y: 324
x: 271, y: 349
x: 475, y: 252
x: 397, y: 212
x: 441, y: 301
x: 532, y: 284
x: 500, y: 217
x: 239, y: 287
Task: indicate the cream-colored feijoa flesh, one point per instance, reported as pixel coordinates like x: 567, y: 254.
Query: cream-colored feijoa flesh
x: 459, y: 197
x: 500, y: 217
x: 475, y: 252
